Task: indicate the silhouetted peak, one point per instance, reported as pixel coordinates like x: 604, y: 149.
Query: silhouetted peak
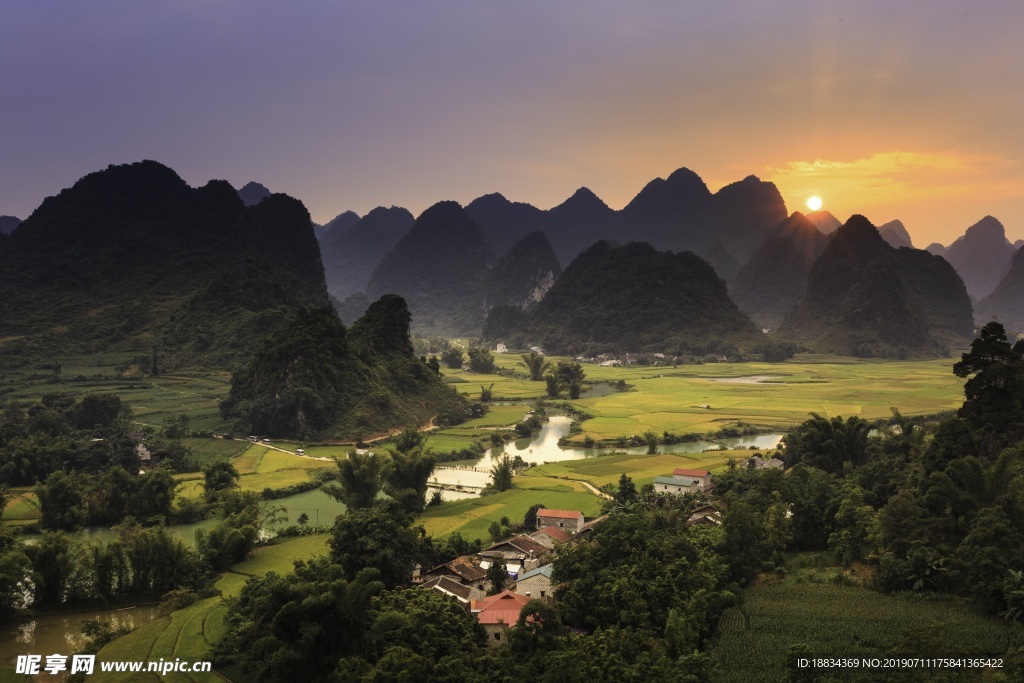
x: 895, y: 233
x: 684, y: 177
x: 825, y: 221
x: 489, y: 201
x: 8, y: 224
x: 858, y: 230
x: 988, y: 228
x: 582, y: 199
x: 935, y: 248
x: 381, y: 212
x: 252, y: 193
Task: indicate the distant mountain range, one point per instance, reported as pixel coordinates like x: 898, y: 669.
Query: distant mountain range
x: 774, y: 281
x: 352, y: 247
x: 865, y: 298
x: 1006, y: 302
x: 440, y: 268
x: 8, y: 224
x: 981, y: 256
x: 630, y: 298
x: 131, y: 257
x: 896, y: 234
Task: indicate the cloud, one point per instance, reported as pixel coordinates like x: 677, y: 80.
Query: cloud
x: 885, y: 176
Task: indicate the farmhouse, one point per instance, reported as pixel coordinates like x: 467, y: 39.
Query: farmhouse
x: 520, y: 553
x: 498, y: 613
x: 676, y: 485
x: 536, y: 583
x: 707, y: 515
x: 462, y: 570
x: 702, y: 477
x: 758, y: 463
x: 500, y: 348
x: 447, y: 586
x: 550, y: 536
x: 567, y: 520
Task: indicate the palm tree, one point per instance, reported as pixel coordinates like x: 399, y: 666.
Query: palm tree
x: 536, y: 364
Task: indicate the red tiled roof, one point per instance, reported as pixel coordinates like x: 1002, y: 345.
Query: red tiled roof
x: 503, y: 608
x: 559, y: 514
x: 683, y: 472
x: 554, y: 532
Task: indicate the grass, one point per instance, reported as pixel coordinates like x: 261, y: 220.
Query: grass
x: 835, y: 616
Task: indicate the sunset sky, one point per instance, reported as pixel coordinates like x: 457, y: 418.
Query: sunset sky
x: 910, y: 110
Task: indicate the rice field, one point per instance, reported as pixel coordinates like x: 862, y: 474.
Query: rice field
x: 642, y: 469
x: 834, y: 616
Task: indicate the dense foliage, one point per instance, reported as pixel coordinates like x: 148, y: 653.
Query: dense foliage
x: 317, y: 378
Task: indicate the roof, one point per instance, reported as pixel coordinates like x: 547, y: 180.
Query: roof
x: 545, y: 570
x: 559, y: 514
x: 684, y: 472
x: 522, y: 544
x: 503, y: 608
x: 449, y: 586
x: 463, y: 567
x: 554, y: 532
x: 675, y: 481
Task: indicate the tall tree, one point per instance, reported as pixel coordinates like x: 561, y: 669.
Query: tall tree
x: 537, y: 365
x: 361, y: 478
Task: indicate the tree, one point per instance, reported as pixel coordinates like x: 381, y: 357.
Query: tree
x: 361, y: 478
x: 828, y: 444
x: 408, y: 476
x: 537, y: 365
x: 566, y: 376
x: 627, y: 490
x: 486, y: 394
x: 994, y: 404
x: 219, y: 476
x: 481, y: 360
x: 497, y: 576
x: 61, y: 503
x: 502, y: 473
x: 452, y: 358
x: 380, y: 538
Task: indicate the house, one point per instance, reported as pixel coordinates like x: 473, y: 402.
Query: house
x: 676, y: 485
x: 707, y: 515
x: 498, y: 613
x: 589, y: 526
x: 520, y: 553
x: 550, y: 536
x: 464, y: 570
x: 567, y: 520
x: 500, y: 348
x: 145, y: 457
x: 702, y: 477
x: 536, y: 583
x: 759, y: 463
x: 449, y: 587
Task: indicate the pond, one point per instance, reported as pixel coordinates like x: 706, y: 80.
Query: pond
x: 544, y: 448
x: 49, y: 634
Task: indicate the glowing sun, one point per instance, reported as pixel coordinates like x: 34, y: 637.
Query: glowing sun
x: 814, y: 203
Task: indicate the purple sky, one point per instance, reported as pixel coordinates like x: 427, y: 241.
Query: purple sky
x: 907, y: 110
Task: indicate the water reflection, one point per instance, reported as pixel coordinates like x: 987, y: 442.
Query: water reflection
x: 544, y: 448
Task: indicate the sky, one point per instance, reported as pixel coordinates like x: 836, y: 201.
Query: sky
x: 909, y: 110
